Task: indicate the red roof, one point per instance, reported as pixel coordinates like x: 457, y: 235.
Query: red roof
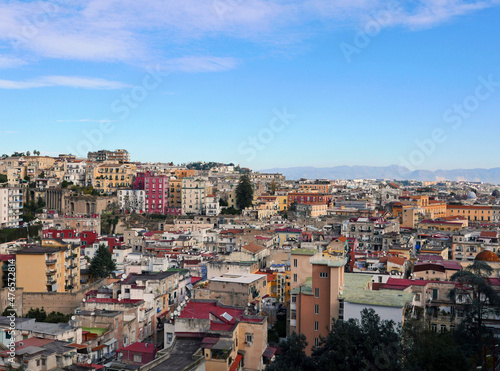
x: 195, y: 279
x: 139, y: 348
x: 202, y: 310
x: 489, y: 234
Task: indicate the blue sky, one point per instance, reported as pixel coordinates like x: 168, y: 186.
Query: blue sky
x: 259, y: 83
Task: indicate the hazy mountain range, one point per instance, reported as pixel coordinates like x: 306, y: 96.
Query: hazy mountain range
x: 388, y: 172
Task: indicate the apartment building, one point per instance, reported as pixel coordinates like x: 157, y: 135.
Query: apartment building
x: 52, y: 267
x: 156, y: 191
x: 132, y: 200
x: 472, y: 213
x: 108, y: 178
x: 11, y: 205
x: 231, y: 340
x: 119, y: 155
x: 193, y: 195
x: 75, y: 173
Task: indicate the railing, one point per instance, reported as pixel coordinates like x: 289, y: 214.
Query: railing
x: 50, y: 261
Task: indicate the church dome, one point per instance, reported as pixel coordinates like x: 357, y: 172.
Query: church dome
x: 487, y: 256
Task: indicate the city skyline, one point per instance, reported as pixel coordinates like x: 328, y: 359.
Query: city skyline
x: 260, y: 84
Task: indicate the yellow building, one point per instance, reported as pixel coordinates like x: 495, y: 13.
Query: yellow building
x: 471, y: 213
x: 52, y: 267
x: 283, y: 202
x: 174, y: 195
x: 108, y: 178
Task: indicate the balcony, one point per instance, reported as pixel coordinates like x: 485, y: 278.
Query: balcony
x: 49, y: 272
x: 51, y: 281
x: 51, y: 261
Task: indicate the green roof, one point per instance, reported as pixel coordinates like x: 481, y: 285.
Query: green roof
x: 305, y: 288
x: 96, y: 330
x: 355, y: 291
x: 304, y: 251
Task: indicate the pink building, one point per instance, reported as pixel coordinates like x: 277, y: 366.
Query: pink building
x: 156, y: 191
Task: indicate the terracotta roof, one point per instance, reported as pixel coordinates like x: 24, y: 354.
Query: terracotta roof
x: 253, y: 248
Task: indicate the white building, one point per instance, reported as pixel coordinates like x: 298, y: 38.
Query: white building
x: 75, y: 173
x: 193, y: 196
x: 212, y: 206
x: 11, y: 205
x: 132, y: 200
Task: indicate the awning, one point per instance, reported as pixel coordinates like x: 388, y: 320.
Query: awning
x: 269, y: 352
x: 236, y: 362
x: 110, y: 342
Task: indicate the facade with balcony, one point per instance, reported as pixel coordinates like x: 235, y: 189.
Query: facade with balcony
x: 11, y: 207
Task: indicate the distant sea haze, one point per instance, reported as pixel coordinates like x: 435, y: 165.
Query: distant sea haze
x: 388, y: 172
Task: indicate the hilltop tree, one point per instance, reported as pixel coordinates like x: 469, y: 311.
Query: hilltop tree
x: 244, y: 192
x: 102, y: 264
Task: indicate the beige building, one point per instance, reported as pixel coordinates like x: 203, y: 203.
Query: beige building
x: 193, y: 194
x: 52, y: 267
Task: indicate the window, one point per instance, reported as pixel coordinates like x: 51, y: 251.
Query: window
x: 249, y: 338
x: 138, y: 358
x: 316, y: 308
x: 434, y: 327
x: 316, y: 292
x: 443, y: 329
x: 316, y: 326
x: 295, y: 277
x: 417, y: 297
x: 293, y: 314
x: 295, y: 263
x: 323, y: 274
x: 434, y: 294
x: 316, y: 342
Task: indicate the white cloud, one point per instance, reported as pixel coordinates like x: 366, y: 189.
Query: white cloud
x: 145, y: 32
x: 66, y: 81
x: 11, y: 62
x: 199, y: 64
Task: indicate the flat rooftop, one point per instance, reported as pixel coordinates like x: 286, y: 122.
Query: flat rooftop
x: 233, y: 278
x: 355, y: 291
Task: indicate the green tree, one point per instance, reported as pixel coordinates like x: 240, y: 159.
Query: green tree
x: 64, y: 184
x: 244, y: 192
x: 38, y: 314
x: 478, y: 301
x: 442, y: 352
x: 354, y: 345
x: 292, y: 355
x: 57, y: 317
x: 3, y: 178
x: 102, y: 264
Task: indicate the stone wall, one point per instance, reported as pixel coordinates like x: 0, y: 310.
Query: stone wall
x: 58, y: 301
